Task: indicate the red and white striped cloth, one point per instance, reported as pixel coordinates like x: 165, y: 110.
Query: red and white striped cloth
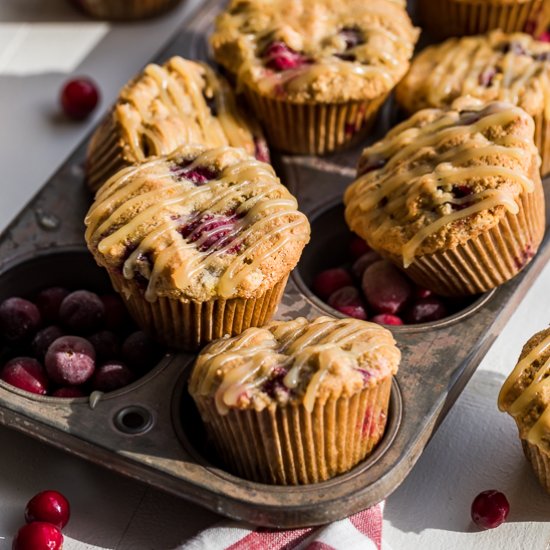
x: 360, y: 531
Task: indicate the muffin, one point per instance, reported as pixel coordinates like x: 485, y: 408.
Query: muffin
x: 525, y: 397
x: 181, y: 102
x: 445, y: 18
x: 124, y: 10
x: 316, y: 73
x: 199, y: 243
x: 453, y: 197
x: 495, y: 66
x: 296, y: 401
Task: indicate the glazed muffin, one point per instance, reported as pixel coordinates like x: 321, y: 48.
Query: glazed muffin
x: 125, y: 10
x: 178, y: 103
x: 444, y: 18
x: 316, y: 73
x: 199, y: 243
x: 525, y: 397
x: 453, y: 197
x: 296, y: 401
x: 496, y: 66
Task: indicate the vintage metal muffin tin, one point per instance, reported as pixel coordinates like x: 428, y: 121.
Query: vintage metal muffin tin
x: 150, y: 429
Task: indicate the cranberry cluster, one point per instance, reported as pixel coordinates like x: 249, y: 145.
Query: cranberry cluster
x: 67, y: 344
x: 369, y: 287
x: 45, y: 515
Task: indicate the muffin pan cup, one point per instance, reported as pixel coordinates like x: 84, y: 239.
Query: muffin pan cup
x: 150, y: 431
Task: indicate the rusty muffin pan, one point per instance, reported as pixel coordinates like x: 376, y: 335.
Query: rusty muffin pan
x: 150, y: 429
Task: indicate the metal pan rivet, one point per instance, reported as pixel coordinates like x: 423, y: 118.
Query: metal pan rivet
x: 133, y: 420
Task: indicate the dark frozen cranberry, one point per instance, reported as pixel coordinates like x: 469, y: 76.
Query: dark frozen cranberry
x: 49, y: 301
x: 345, y: 296
x: 386, y: 289
x: 106, y: 344
x: 70, y: 360
x: 38, y: 535
x: 211, y: 230
x: 49, y: 506
x: 363, y: 262
x: 111, y: 376
x: 280, y: 57
x: 370, y: 164
x: 26, y: 374
x: 358, y: 247
x: 427, y: 310
x: 19, y: 319
x: 199, y: 175
x: 352, y: 36
x: 387, y: 319
x: 330, y: 280
x: 79, y: 98
x: 486, y: 76
x: 139, y: 352
x: 355, y: 311
x: 68, y: 392
x: 490, y: 509
x: 44, y: 339
x: 261, y: 150
x: 116, y: 315
x: 82, y: 311
x: 420, y: 293
x: 275, y: 384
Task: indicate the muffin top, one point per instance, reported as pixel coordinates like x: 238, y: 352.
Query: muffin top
x: 443, y: 177
x: 198, y: 224
x: 324, y: 51
x: 177, y: 103
x: 296, y: 361
x: 494, y: 66
x: 526, y: 392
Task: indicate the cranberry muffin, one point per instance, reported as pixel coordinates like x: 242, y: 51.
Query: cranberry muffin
x: 177, y: 103
x: 454, y: 196
x: 445, y: 18
x: 525, y: 397
x: 495, y: 66
x: 316, y: 73
x: 296, y: 401
x: 198, y: 243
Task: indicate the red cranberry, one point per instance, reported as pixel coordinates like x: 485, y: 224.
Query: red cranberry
x: 544, y: 37
x: 330, y: 280
x: 19, y: 319
x: 261, y: 150
x: 49, y: 506
x: 275, y: 385
x: 210, y: 230
x: 82, y: 311
x: 44, y: 339
x: 280, y: 57
x: 427, y: 310
x: 363, y: 262
x: 112, y: 376
x: 26, y: 374
x: 106, y: 344
x: 345, y: 296
x: 49, y: 301
x: 490, y: 509
x: 140, y: 352
x: 387, y: 290
x: 355, y: 311
x: 70, y: 360
x: 68, y: 392
x: 387, y: 319
x: 421, y: 293
x: 198, y: 175
x: 38, y: 535
x: 116, y: 315
x: 79, y: 98
x: 358, y: 247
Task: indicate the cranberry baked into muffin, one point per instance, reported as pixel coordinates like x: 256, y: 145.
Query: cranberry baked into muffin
x: 495, y: 66
x: 296, y: 401
x: 454, y: 197
x: 317, y: 72
x: 525, y: 397
x: 178, y: 103
x: 198, y: 243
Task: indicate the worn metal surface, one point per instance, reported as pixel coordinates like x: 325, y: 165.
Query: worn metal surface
x: 44, y: 246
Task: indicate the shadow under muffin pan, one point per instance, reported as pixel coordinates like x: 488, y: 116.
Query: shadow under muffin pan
x: 149, y: 429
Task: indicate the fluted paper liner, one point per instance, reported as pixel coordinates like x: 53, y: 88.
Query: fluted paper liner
x: 313, y: 128
x: 443, y: 18
x: 190, y: 325
x: 287, y: 445
x: 540, y: 462
x: 488, y: 260
x: 125, y: 9
x: 542, y: 140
